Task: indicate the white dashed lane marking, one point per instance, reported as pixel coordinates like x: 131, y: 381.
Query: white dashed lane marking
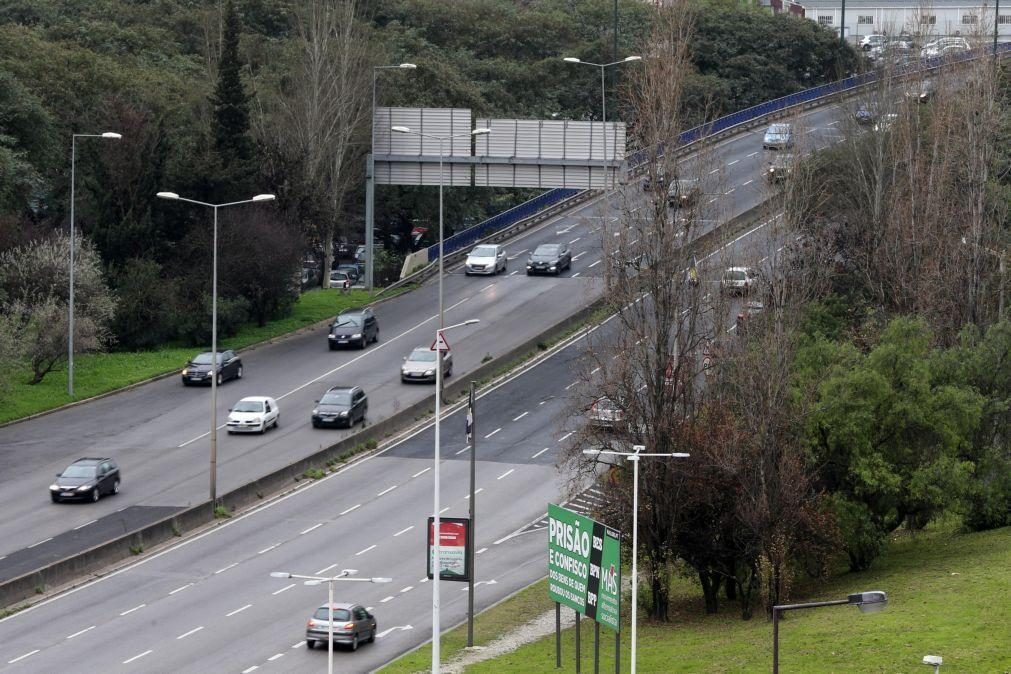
x: 284, y: 589
x: 354, y: 507
x: 77, y: 634
x: 403, y: 531
x: 238, y: 610
x: 540, y: 452
x: 362, y: 552
x: 192, y: 631
x: 520, y: 416
x: 511, y: 470
x: 135, y: 608
x: 137, y: 657
x: 313, y: 527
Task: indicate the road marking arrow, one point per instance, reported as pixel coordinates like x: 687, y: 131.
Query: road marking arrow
x: 480, y: 582
x: 394, y: 629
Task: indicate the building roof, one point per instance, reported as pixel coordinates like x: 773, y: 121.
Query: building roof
x: 891, y: 4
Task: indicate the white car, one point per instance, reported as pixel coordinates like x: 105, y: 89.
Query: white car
x: 488, y: 258
x: 936, y: 47
x: 870, y: 41
x: 739, y: 280
x: 254, y: 414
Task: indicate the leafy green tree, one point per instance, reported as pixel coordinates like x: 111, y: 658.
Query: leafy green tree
x: 231, y: 104
x: 146, y: 305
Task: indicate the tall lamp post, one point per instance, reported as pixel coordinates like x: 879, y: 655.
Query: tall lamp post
x: 603, y: 104
x: 329, y: 580
x: 70, y: 332
x: 440, y: 341
x: 634, y: 456
x: 867, y: 602
x: 214, y: 323
x: 370, y: 176
x: 441, y: 139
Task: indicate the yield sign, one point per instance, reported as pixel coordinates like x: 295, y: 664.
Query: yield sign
x: 440, y: 343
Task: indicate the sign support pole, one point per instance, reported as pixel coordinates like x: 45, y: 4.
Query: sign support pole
x: 473, y: 517
x: 617, y: 653
x: 558, y: 635
x: 596, y: 647
x: 579, y: 652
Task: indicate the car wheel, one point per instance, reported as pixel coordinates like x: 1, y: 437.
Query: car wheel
x: 277, y: 421
x: 333, y: 347
x: 528, y: 273
x: 372, y: 636
x: 115, y: 487
x: 56, y: 499
x: 315, y: 424
x: 354, y: 642
x: 310, y: 644
x: 238, y: 373
x: 449, y: 370
x: 96, y: 494
x: 220, y: 379
x: 375, y: 338
x: 365, y: 342
x: 185, y: 383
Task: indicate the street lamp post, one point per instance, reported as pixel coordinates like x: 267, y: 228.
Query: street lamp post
x: 634, y: 456
x: 441, y: 139
x: 867, y: 602
x: 603, y: 105
x: 70, y: 319
x: 216, y: 364
x: 370, y: 176
x: 329, y: 580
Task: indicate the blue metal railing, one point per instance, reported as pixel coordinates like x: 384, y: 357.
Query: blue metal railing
x: 552, y: 197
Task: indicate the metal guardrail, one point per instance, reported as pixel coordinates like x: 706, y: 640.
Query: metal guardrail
x: 720, y: 125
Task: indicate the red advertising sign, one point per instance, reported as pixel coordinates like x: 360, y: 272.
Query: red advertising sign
x: 454, y: 548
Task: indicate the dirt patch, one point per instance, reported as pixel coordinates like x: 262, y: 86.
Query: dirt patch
x: 539, y: 627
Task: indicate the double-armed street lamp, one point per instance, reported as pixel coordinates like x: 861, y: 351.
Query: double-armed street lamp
x: 638, y: 451
x: 215, y: 367
x: 70, y: 332
x: 370, y: 177
x: 346, y: 574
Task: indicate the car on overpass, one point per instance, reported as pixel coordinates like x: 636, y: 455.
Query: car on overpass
x: 355, y: 327
x: 201, y: 368
x: 253, y: 414
x: 352, y: 624
x: 340, y: 406
x: 421, y: 363
x: 86, y: 479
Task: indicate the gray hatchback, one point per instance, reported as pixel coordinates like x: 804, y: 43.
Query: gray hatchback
x: 352, y: 624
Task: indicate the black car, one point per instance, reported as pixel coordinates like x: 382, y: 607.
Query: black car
x: 683, y: 193
x: 357, y: 327
x: 341, y: 406
x: 780, y: 168
x: 549, y: 258
x: 201, y: 368
x: 86, y: 480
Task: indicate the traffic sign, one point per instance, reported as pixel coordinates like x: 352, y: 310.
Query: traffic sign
x: 440, y: 343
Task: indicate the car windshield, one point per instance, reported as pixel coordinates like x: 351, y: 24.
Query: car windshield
x: 204, y: 359
x: 684, y: 185
x: 336, y: 398
x: 353, y: 321
x: 248, y: 406
x: 606, y: 404
x: 79, y: 471
x: 734, y: 275
x: 779, y: 130
x: 423, y: 355
x: 483, y: 251
x: 546, y: 252
x: 339, y: 614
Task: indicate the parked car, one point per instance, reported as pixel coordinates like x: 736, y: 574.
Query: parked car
x: 355, y: 327
x: 683, y: 193
x: 253, y: 414
x: 605, y: 413
x: 341, y: 406
x: 936, y: 47
x: 353, y: 271
x: 201, y: 368
x: 487, y: 258
x: 740, y: 280
x: 549, y: 258
x: 360, y: 253
x: 420, y: 365
x: 870, y: 41
x: 339, y: 278
x: 352, y: 624
x: 86, y: 479
x: 780, y: 168
x: 778, y: 137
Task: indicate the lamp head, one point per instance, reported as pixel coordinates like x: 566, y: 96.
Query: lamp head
x: 264, y: 197
x: 400, y: 129
x: 382, y: 580
x: 869, y: 602
x: 571, y: 59
x: 407, y: 66
x: 280, y: 574
x: 167, y: 195
x: 112, y: 134
x: 312, y: 583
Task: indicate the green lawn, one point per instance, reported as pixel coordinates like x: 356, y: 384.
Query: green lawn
x: 949, y: 595
x: 103, y: 372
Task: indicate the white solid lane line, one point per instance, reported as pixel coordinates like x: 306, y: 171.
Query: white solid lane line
x: 180, y: 589
x: 22, y: 657
x: 222, y: 570
x: 137, y: 657
x: 505, y: 473
x: 354, y: 507
x: 315, y: 526
x: 135, y: 608
x: 540, y: 452
x: 521, y: 416
x: 77, y: 634
x: 283, y: 589
x: 403, y: 531
x: 386, y: 491
x: 192, y: 631
x: 422, y: 472
x: 362, y: 552
x: 81, y: 526
x: 238, y: 610
x: 492, y: 433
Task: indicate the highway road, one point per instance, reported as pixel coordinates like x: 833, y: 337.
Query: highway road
x: 209, y: 603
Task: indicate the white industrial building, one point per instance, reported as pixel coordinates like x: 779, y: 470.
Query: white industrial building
x: 929, y: 18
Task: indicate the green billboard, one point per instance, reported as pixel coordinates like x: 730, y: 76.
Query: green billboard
x: 584, y: 565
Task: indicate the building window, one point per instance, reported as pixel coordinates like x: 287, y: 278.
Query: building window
x: 928, y: 19
x: 969, y: 18
x: 1004, y: 19
x: 825, y: 20
x: 865, y: 20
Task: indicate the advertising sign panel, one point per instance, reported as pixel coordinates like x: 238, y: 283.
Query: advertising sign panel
x: 584, y: 565
x: 454, y: 552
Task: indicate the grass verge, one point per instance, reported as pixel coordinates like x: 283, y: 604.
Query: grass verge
x: 949, y: 594
x: 99, y: 373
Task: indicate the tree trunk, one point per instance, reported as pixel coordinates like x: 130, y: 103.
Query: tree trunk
x: 710, y: 590
x: 660, y: 599
x: 326, y: 234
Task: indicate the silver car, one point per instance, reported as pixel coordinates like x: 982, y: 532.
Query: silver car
x: 778, y: 137
x: 488, y: 258
x: 420, y: 365
x: 352, y: 624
